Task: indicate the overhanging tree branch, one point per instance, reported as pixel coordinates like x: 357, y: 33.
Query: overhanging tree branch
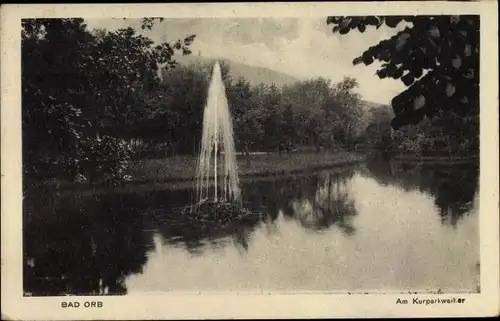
x: 436, y: 57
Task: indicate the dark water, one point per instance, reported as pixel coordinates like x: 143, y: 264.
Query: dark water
x: 380, y: 226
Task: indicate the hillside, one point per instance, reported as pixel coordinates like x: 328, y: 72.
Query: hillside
x: 254, y: 75
x: 370, y: 104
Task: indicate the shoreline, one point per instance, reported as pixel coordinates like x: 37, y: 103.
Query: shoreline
x: 187, y: 182
x: 435, y: 159
x: 179, y: 172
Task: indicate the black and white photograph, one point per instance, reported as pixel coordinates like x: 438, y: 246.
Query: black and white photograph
x: 326, y: 153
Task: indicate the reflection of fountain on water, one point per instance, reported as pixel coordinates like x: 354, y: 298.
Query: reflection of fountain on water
x: 217, y: 138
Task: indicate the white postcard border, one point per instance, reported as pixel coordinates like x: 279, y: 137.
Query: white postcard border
x: 241, y: 305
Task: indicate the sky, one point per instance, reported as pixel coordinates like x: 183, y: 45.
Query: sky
x: 301, y: 47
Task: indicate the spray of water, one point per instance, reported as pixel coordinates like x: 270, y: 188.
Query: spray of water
x: 217, y: 159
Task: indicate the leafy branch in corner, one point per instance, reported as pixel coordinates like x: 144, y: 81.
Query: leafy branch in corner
x: 436, y: 57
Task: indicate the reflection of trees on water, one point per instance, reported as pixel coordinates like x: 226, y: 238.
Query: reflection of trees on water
x: 317, y: 201
x: 82, y: 247
x: 453, y: 186
x: 455, y: 190
x: 330, y: 206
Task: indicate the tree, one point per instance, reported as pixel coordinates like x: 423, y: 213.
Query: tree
x: 347, y: 109
x: 186, y: 90
x: 75, y: 84
x: 271, y: 110
x: 378, y: 132
x: 436, y: 57
x: 289, y: 127
x: 247, y: 116
x: 53, y: 51
x: 308, y: 100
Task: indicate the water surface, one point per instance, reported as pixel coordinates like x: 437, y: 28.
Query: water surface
x: 381, y: 226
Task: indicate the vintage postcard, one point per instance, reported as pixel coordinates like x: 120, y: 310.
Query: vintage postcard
x: 249, y: 160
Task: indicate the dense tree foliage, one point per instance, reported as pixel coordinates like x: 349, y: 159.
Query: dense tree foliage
x: 265, y: 117
x: 447, y: 135
x: 437, y: 57
x: 283, y: 119
x: 75, y: 83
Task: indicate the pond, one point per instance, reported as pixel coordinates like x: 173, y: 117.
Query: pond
x: 376, y: 227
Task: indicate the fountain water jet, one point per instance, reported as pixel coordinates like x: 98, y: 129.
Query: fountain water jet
x: 217, y: 158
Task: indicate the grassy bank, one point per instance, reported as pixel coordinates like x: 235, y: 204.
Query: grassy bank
x: 436, y: 159
x: 179, y: 172
x: 177, y: 169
